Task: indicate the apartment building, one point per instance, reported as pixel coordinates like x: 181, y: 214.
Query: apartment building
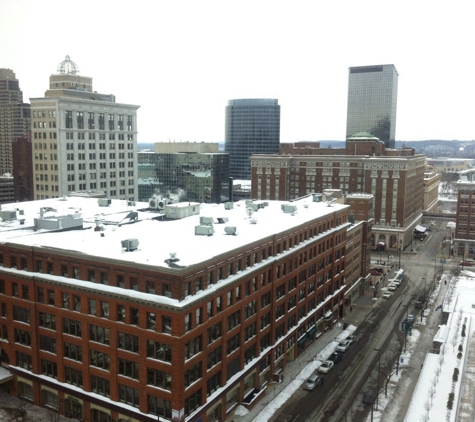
x: 112, y: 312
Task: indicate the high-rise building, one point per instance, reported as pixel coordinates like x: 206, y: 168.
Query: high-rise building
x: 82, y: 140
x: 252, y: 127
x: 14, y: 118
x: 372, y: 102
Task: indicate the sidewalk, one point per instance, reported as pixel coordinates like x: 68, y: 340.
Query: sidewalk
x: 297, y: 371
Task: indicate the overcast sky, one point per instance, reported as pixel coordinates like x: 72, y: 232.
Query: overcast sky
x: 181, y: 61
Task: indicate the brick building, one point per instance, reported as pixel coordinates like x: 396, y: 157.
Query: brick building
x: 109, y: 312
x: 395, y: 177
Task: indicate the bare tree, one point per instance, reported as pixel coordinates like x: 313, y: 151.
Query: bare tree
x: 427, y: 407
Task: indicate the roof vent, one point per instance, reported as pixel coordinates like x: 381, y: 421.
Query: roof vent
x: 173, y: 257
x: 130, y: 244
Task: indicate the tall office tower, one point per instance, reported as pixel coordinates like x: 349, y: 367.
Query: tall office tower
x: 372, y: 102
x: 82, y: 140
x: 252, y: 127
x: 14, y: 118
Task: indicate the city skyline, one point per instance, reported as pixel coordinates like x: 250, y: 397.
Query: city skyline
x: 182, y: 62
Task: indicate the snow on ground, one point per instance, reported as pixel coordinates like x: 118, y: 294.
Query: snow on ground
x: 267, y: 413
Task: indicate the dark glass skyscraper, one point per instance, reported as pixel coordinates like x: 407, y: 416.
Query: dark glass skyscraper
x: 252, y: 127
x: 372, y: 102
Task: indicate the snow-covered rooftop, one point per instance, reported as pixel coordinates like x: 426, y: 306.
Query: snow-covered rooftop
x: 157, y: 237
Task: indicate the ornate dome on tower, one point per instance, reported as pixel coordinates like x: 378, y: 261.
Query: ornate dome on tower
x: 67, y: 66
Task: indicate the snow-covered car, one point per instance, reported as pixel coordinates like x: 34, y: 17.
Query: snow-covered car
x: 326, y: 366
x: 387, y: 295
x: 343, y: 346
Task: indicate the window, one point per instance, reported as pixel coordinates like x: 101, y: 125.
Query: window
x: 49, y: 368
x: 159, y: 378
x: 48, y: 344
x: 128, y: 342
x: 160, y: 407
x: 214, y: 357
x: 234, y: 320
x: 105, y: 309
x: 100, y: 359
x: 73, y: 376
x: 99, y: 334
x: 25, y: 391
x: 129, y: 368
x: 47, y: 320
x: 99, y: 416
x: 121, y: 315
x: 50, y: 399
x: 265, y: 299
x: 214, y: 332
x: 159, y: 351
x: 100, y: 386
x: 213, y: 383
x: 233, y: 343
x: 166, y: 324
x: 24, y: 361
x: 151, y: 320
x: 129, y: 395
x: 251, y: 308
x: 73, y: 351
x: 250, y: 331
x: 193, y: 374
x: 92, y: 307
x: 193, y: 347
x: 21, y: 314
x: 72, y: 327
x: 22, y: 337
x: 193, y: 402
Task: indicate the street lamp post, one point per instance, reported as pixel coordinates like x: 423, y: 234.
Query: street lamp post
x: 425, y: 293
x: 379, y: 370
x: 405, y: 326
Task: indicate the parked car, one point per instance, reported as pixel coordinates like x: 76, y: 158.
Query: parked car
x: 313, y: 382
x: 336, y: 357
x: 419, y: 304
x: 343, y: 346
x: 376, y: 271
x: 467, y: 263
x: 369, y: 397
x: 351, y: 338
x: 387, y: 295
x: 326, y: 366
x: 392, y: 287
x: 410, y: 318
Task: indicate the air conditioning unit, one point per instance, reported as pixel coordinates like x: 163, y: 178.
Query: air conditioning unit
x: 206, y: 221
x: 130, y: 244
x: 230, y: 230
x: 204, y: 230
x: 158, y: 203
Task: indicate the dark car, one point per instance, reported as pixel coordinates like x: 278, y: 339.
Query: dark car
x: 369, y: 397
x: 376, y: 271
x: 336, y: 357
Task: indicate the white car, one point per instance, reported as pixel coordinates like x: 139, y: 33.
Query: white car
x: 326, y: 366
x: 392, y: 287
x: 387, y: 295
x: 343, y: 346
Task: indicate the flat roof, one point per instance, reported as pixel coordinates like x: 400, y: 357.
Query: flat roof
x: 105, y: 227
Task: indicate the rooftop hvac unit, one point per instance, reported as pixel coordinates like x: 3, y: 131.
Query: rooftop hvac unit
x: 8, y: 215
x: 130, y: 244
x: 104, y: 202
x: 157, y: 203
x: 228, y: 205
x: 230, y: 230
x: 204, y: 230
x: 317, y: 197
x: 206, y: 221
x: 288, y: 208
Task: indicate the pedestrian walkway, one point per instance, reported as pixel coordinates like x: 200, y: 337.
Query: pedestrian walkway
x: 278, y: 393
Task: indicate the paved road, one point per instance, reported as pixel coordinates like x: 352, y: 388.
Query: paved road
x: 340, y: 400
